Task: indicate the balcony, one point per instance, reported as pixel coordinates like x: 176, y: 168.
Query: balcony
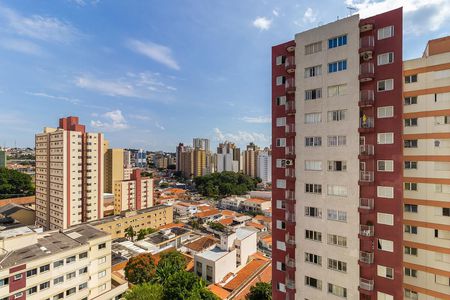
x: 366, y: 151
x: 366, y: 203
x: 366, y: 124
x: 290, y: 240
x: 366, y: 72
x: 289, y: 195
x: 290, y: 107
x: 366, y: 98
x: 290, y: 283
x: 290, y: 49
x: 290, y: 217
x: 289, y: 172
x: 290, y: 262
x: 290, y: 64
x: 366, y: 257
x: 290, y: 130
x: 290, y: 152
x: 366, y: 46
x: 366, y: 284
x: 290, y: 85
x: 366, y: 177
x: 365, y: 26
x: 366, y: 230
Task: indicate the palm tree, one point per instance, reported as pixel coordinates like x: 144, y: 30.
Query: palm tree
x: 130, y: 233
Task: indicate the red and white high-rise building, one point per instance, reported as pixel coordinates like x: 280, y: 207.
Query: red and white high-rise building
x: 337, y: 161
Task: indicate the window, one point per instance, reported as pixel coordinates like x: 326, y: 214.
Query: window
x: 385, y: 165
x: 313, y: 48
x: 281, y: 142
x: 280, y: 60
x: 4, y: 281
x: 281, y: 245
x: 409, y: 165
x: 442, y: 120
x: 313, y: 235
x: 385, y: 32
x: 281, y: 121
x: 58, y: 296
x: 281, y: 287
x: 386, y: 219
x: 337, y: 240
x: 32, y: 290
x: 58, y: 263
x: 410, y: 186
x: 102, y: 260
x: 70, y: 259
x: 385, y: 58
x: 313, y: 165
x: 82, y: 286
x: 71, y: 275
x: 337, y: 140
x: 280, y: 163
x: 313, y: 188
x: 337, y: 66
x: 385, y: 85
x: 337, y: 265
x: 337, y: 90
x: 71, y: 291
x: 410, y: 143
x: 313, y: 118
x: 313, y: 212
x: 280, y: 204
x: 411, y: 78
x: 410, y: 100
x: 410, y: 229
x: 385, y: 112
x: 58, y: 280
x: 44, y: 268
x: 336, y: 115
x: 102, y: 287
x: 281, y: 184
x: 281, y: 224
x: 18, y: 295
x: 337, y: 190
x: 281, y: 100
x: 385, y: 272
x: 446, y: 212
x: 337, y: 165
x: 313, y: 141
x: 17, y: 277
x: 409, y: 294
x: 410, y: 251
x: 385, y: 245
x: 44, y: 285
x: 313, y: 258
x: 337, y: 215
x: 280, y: 266
x: 410, y: 272
x: 313, y: 282
x: 337, y: 41
x: 313, y: 94
x: 385, y: 138
x: 280, y: 80
x: 410, y: 122
x: 337, y: 290
x: 31, y: 272
x: 83, y: 270
x: 412, y: 208
x: 385, y: 192
x: 102, y: 274
x: 313, y: 71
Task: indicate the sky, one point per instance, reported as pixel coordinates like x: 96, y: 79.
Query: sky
x: 150, y: 74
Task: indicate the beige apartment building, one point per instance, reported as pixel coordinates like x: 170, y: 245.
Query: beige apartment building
x: 133, y: 194
x: 69, y: 175
x: 250, y: 157
x: 114, y: 170
x: 426, y: 174
x: 69, y: 264
x: 153, y: 217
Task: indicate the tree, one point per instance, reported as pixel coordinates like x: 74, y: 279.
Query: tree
x: 15, y: 184
x: 170, y: 263
x: 145, y: 291
x: 217, y: 226
x: 130, y: 233
x: 141, y: 234
x: 140, y: 268
x: 260, y: 291
x: 224, y: 184
x: 185, y: 285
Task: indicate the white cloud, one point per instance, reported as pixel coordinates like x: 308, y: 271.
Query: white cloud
x: 257, y: 120
x: 275, y: 12
x: 84, y: 2
x: 240, y: 136
x: 262, y: 23
x: 45, y: 95
x: 420, y: 15
x: 22, y: 46
x: 38, y: 27
x: 159, y: 126
x: 112, y: 120
x: 159, y: 53
x: 309, y: 16
x: 140, y: 117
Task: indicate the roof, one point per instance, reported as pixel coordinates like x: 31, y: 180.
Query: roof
x: 127, y: 214
x: 267, y: 239
x: 242, y: 233
x: 202, y: 243
x: 219, y: 291
x: 259, y: 255
x: 204, y: 207
x: 257, y: 200
x: 228, y: 213
x: 264, y: 276
x: 172, y: 225
x: 20, y: 200
x: 226, y: 221
x: 241, y: 276
x: 11, y: 208
x: 214, y: 254
x: 174, y: 191
x: 256, y: 225
x: 207, y: 213
x: 263, y: 218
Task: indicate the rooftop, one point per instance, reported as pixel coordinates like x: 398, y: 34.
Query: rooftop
x: 219, y: 291
x: 213, y: 255
x: 255, y: 225
x: 242, y: 233
x: 21, y: 200
x: 257, y: 200
x: 207, y: 213
x: 202, y: 243
x: 250, y: 269
x: 118, y: 217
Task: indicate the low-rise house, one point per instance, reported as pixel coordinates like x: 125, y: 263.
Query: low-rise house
x: 232, y: 203
x: 256, y: 204
x: 259, y: 227
x: 208, y: 216
x: 199, y: 245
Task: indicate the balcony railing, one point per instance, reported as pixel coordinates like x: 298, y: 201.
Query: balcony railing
x: 290, y: 262
x: 366, y: 203
x: 366, y: 257
x: 289, y: 195
x: 290, y: 239
x: 290, y: 217
x: 366, y: 71
x: 366, y: 42
x: 290, y: 64
x: 289, y: 172
x: 366, y: 98
x: 290, y: 107
x: 366, y: 150
x: 366, y: 284
x: 290, y: 85
x: 366, y: 123
x: 290, y: 150
x: 366, y: 176
x: 366, y: 230
x: 290, y: 129
x: 290, y: 283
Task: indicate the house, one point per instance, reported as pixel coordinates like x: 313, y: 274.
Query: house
x: 256, y: 204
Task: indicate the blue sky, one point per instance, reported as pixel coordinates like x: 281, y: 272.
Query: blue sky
x: 154, y: 73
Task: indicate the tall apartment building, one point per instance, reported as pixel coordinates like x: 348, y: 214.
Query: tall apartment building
x: 69, y: 264
x: 3, y: 159
x: 426, y: 173
x: 201, y: 144
x: 69, y: 175
x: 250, y: 160
x: 180, y: 149
x: 113, y: 170
x: 141, y: 159
x: 228, y: 157
x: 264, y: 165
x: 337, y: 161
x: 133, y: 194
x: 126, y: 159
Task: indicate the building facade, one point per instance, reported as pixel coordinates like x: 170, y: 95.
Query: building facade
x: 113, y: 170
x: 337, y: 159
x: 69, y: 175
x: 264, y: 166
x: 133, y: 194
x: 250, y: 155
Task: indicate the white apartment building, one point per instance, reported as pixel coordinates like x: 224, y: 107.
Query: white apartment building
x: 264, y: 166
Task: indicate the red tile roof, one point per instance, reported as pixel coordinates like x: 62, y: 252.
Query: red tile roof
x: 219, y: 291
x: 207, y: 213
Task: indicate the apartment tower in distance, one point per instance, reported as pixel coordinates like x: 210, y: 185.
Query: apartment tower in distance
x: 426, y: 136
x: 337, y: 161
x: 69, y: 175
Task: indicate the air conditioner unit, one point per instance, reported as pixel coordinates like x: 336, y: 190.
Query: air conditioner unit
x: 289, y: 162
x: 367, y: 56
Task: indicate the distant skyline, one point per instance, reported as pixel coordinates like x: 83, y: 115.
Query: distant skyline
x: 151, y: 74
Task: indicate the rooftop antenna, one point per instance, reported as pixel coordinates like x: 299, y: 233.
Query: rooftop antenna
x: 351, y: 10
